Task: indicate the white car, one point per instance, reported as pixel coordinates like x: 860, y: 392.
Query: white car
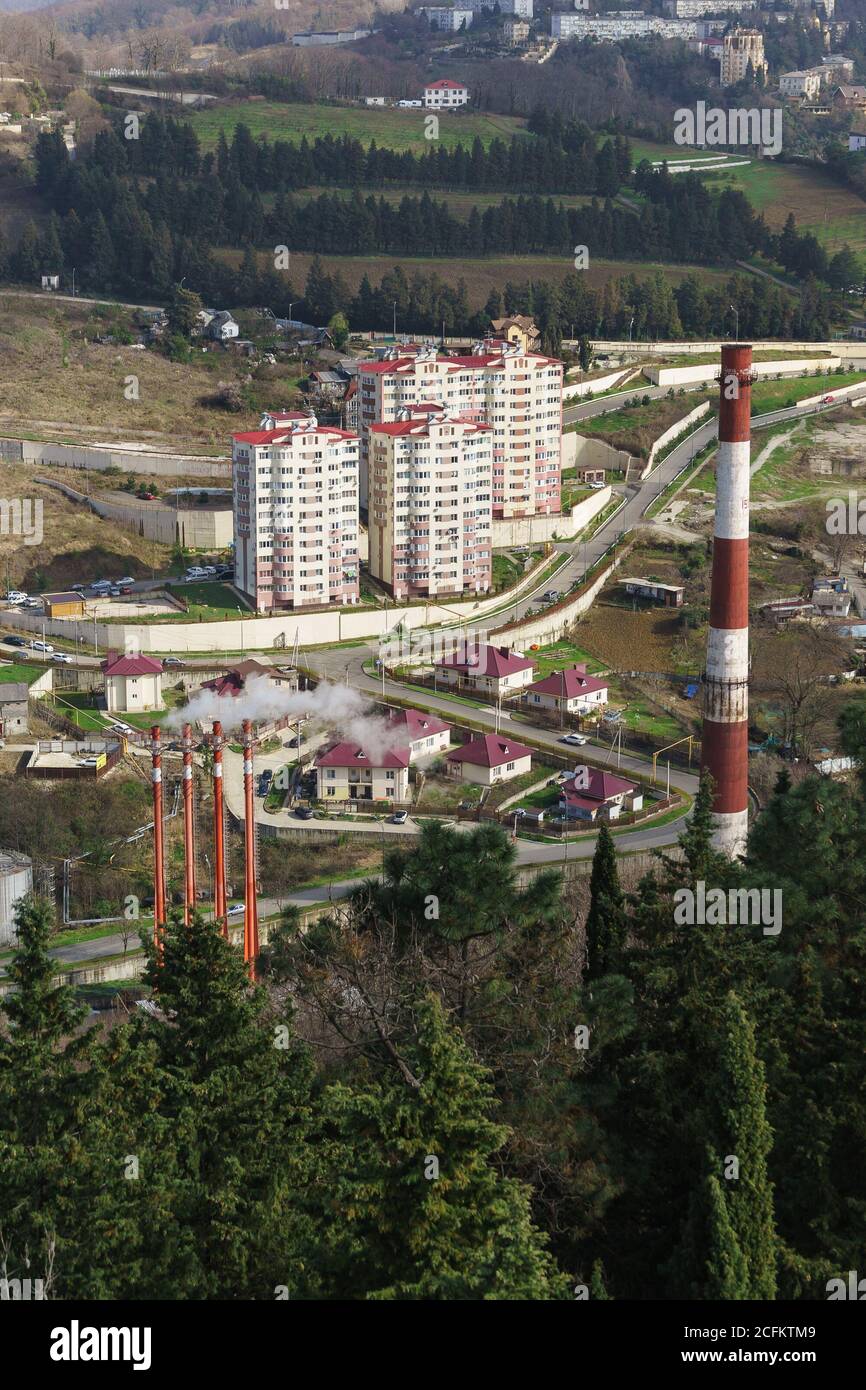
x: 15, y: 596
x: 233, y: 911
x: 101, y: 586
x: 127, y: 579
x: 61, y: 657
x: 38, y: 646
x: 578, y: 739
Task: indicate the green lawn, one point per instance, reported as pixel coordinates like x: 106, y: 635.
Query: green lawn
x: 15, y: 672
x: 391, y: 129
x: 76, y: 705
x: 208, y: 602
x: 776, y: 395
x: 506, y: 572
x: 558, y: 655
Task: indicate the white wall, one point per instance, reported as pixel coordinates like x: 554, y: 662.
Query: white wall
x: 46, y: 454
x: 682, y: 349
x: 601, y: 383
x: 525, y: 530
x: 679, y: 428
x: 682, y: 376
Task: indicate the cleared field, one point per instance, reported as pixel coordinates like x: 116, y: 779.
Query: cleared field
x: 479, y: 274
x: 775, y: 395
x: 392, y: 129
x: 56, y: 379
x: 459, y: 201
x: 835, y: 215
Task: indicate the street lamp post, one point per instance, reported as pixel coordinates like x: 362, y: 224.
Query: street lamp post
x: 736, y: 314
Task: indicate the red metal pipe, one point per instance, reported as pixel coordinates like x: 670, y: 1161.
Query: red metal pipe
x: 158, y: 843
x: 189, y: 894
x: 251, y: 910
x: 724, y: 744
x: 219, y: 865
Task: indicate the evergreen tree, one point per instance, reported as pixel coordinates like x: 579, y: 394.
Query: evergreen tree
x: 605, y: 923
x: 416, y: 1204
x: 711, y: 1264
x: 183, y: 310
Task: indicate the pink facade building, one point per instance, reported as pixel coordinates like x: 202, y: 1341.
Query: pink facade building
x: 295, y: 497
x: 518, y: 394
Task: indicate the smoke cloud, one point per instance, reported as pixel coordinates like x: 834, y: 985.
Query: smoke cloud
x: 336, y: 709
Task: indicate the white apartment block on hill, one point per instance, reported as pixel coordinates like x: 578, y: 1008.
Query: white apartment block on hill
x: 742, y: 47
x: 430, y: 509
x: 518, y: 393
x: 295, y: 496
x: 447, y: 19
x: 619, y: 24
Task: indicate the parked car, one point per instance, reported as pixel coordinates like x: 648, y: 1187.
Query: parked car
x: 304, y: 812
x: 294, y: 742
x: 210, y: 570
x: 233, y: 911
x: 12, y: 641
x: 87, y: 762
x: 61, y: 657
x: 124, y: 728
x: 125, y: 588
x: 172, y: 661
x: 265, y: 780
x: 400, y: 817
x: 38, y: 646
x: 552, y: 595
x: 15, y: 598
x: 114, y: 591
x: 578, y: 739
x: 127, y: 579
x: 77, y: 588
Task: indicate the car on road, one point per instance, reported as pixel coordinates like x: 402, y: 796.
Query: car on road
x: 265, y: 780
x: 294, y: 742
x: 400, y: 817
x: 15, y: 597
x: 124, y: 728
x: 172, y: 661
x: 77, y: 588
x: 304, y: 812
x: 234, y: 911
x: 578, y: 739
x: 552, y: 595
x: 127, y: 579
x: 61, y: 657
x: 596, y: 486
x: 195, y: 572
x: 37, y: 646
x: 14, y: 641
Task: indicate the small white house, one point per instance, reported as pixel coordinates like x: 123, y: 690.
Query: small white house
x: 51, y: 282
x: 445, y: 95
x: 495, y: 671
x: 856, y: 141
x: 346, y: 772
x: 593, y: 795
x: 374, y: 101
x: 222, y: 327
x: 132, y: 683
x: 572, y: 691
x: 488, y: 759
x: 425, y: 734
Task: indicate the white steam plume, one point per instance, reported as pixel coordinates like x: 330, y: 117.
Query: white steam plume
x: 335, y: 708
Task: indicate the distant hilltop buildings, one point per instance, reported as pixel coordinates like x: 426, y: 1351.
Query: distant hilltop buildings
x: 743, y: 49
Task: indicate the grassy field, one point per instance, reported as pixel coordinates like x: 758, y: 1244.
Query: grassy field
x: 558, y: 655
x: 16, y: 672
x: 635, y: 429
x: 710, y: 359
x: 835, y: 215
x: 391, y: 129
x: 208, y: 603
x: 768, y: 396
x: 460, y: 203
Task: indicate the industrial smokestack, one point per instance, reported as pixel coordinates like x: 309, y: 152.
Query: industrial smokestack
x: 251, y: 911
x: 219, y: 862
x: 189, y: 892
x: 158, y: 843
x: 725, y: 749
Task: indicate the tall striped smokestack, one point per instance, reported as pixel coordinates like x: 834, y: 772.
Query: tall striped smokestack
x: 726, y: 697
x: 188, y: 827
x: 219, y: 860
x: 158, y: 842
x: 251, y: 910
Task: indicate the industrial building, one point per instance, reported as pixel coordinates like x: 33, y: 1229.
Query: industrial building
x: 671, y: 595
x: 16, y: 880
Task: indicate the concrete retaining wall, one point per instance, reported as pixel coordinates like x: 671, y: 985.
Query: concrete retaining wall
x: 555, y: 622
x: 205, y: 528
x: 689, y: 376
x: 695, y: 349
x: 594, y: 453
x: 525, y: 530
x: 856, y: 394
x: 49, y: 455
x: 679, y: 428
x: 601, y: 383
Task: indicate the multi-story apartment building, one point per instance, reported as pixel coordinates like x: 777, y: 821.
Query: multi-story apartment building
x: 518, y: 393
x: 619, y: 24
x: 693, y: 9
x: 445, y: 95
x: 742, y: 47
x: 295, y: 497
x: 805, y: 83
x: 430, y: 508
x: 447, y: 19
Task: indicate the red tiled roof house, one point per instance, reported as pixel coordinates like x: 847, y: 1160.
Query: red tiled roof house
x: 345, y: 772
x: 132, y: 683
x: 593, y: 795
x: 425, y: 734
x: 488, y: 759
x: 489, y: 670
x: 571, y: 690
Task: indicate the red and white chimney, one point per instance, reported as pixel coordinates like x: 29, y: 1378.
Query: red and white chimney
x: 219, y: 861
x: 251, y: 909
x: 725, y: 749
x: 158, y: 840
x: 189, y: 889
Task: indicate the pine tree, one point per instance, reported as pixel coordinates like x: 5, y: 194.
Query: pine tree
x: 415, y: 1201
x: 605, y: 923
x: 711, y: 1264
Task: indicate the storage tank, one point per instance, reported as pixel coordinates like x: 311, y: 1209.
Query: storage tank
x: 16, y: 879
